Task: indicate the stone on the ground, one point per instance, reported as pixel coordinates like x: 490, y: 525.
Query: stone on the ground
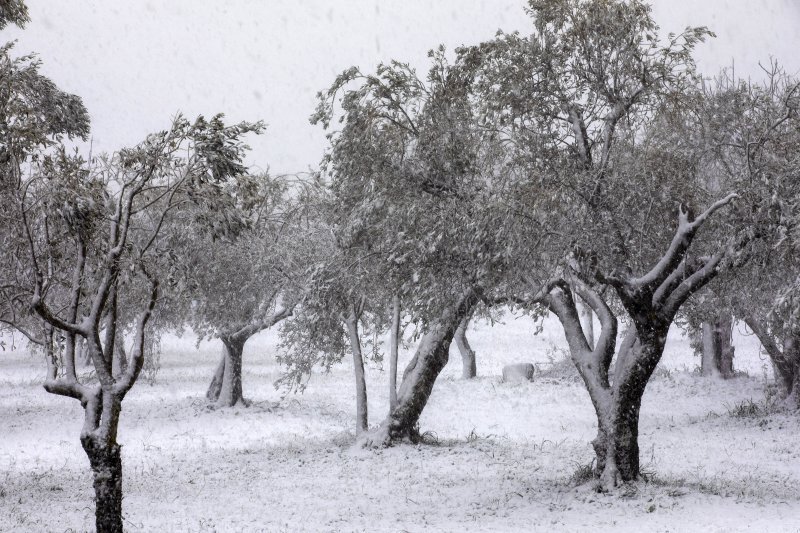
x: 518, y: 373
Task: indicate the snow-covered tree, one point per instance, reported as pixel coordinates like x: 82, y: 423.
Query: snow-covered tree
x: 35, y: 118
x: 90, y: 231
x: 576, y: 102
x: 419, y: 191
x: 229, y: 255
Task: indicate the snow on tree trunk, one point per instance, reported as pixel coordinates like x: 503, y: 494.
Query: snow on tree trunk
x: 630, y: 381
x: 469, y: 367
x: 106, y: 463
x: 230, y: 392
x: 617, y: 444
x: 651, y: 301
x: 587, y: 322
x: 362, y: 417
x: 394, y: 344
x: 216, y: 382
x: 225, y: 388
x: 420, y: 375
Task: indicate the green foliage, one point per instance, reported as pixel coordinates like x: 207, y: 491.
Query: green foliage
x: 13, y: 12
x: 34, y: 113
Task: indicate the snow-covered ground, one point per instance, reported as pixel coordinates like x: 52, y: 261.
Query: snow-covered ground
x: 501, y: 458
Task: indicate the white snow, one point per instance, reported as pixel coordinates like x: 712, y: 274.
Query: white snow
x: 504, y: 456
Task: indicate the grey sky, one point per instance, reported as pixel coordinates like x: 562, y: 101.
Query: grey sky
x: 136, y: 63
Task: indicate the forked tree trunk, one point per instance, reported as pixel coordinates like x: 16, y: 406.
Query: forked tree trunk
x: 106, y: 463
x: 630, y: 380
x: 225, y: 388
x: 394, y: 345
x: 469, y: 368
x: 616, y: 404
x: 420, y: 375
x: 362, y: 417
x: 651, y: 302
x: 617, y: 443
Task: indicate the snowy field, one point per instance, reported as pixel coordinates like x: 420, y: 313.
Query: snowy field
x: 501, y: 457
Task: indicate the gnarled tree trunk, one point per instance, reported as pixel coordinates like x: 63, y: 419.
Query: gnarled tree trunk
x: 230, y: 387
x: 106, y: 463
x: 225, y: 388
x: 651, y: 301
x: 420, y: 375
x: 469, y: 367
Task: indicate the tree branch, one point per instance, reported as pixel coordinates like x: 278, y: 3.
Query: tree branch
x: 684, y: 234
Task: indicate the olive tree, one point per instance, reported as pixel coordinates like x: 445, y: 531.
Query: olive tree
x: 420, y: 190
x: 591, y: 102
x: 90, y: 229
x: 36, y: 117
x: 757, y: 124
x: 229, y: 255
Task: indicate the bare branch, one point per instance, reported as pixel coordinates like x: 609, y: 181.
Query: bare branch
x: 126, y: 381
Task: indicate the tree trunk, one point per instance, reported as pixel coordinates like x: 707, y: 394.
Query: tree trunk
x: 216, y: 382
x: 362, y: 417
x: 394, y: 344
x: 420, y: 375
x: 230, y: 392
x: 631, y: 376
x: 794, y: 396
x: 709, y: 361
x: 469, y: 368
x: 120, y: 362
x: 587, y: 322
x: 791, y: 350
x: 85, y: 357
x: 717, y: 356
x: 783, y: 349
x: 106, y: 463
x: 617, y: 444
x: 616, y: 405
x: 724, y: 331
